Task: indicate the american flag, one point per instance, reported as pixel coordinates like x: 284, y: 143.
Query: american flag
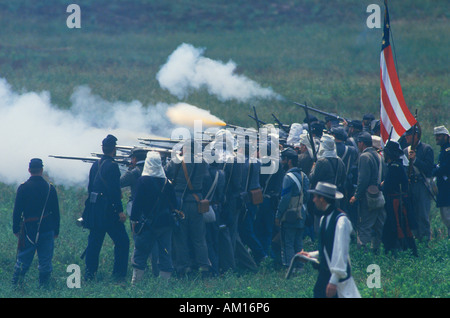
x: 394, y: 114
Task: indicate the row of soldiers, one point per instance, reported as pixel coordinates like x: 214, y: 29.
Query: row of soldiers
x: 254, y: 215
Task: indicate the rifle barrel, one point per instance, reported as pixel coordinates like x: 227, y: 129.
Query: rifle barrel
x: 321, y: 112
x: 282, y: 126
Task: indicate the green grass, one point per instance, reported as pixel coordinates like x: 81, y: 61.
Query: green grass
x: 401, y: 277
x: 320, y: 52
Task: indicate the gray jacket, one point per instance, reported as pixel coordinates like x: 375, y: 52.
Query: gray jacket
x: 368, y: 171
x: 196, y: 172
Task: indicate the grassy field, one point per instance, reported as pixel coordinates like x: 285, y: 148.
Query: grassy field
x: 314, y: 51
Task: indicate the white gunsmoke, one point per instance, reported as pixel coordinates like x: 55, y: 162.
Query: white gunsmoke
x: 187, y: 70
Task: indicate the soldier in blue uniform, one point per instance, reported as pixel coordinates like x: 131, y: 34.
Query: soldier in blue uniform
x: 442, y: 173
x: 105, y: 201
x: 421, y: 159
x: 35, y: 223
x: 397, y: 232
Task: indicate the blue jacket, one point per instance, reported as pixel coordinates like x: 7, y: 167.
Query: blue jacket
x: 442, y: 173
x: 290, y: 189
x: 154, y: 201
x: 30, y: 200
x: 107, y: 181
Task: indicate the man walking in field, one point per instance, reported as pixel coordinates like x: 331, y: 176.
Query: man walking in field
x: 335, y: 279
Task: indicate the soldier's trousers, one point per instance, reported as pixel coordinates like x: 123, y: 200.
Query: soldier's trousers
x: 144, y: 246
x: 421, y: 205
x: 247, y: 232
x: 264, y: 224
x: 25, y: 255
x: 121, y: 241
x: 445, y: 215
x: 370, y: 225
x: 189, y: 240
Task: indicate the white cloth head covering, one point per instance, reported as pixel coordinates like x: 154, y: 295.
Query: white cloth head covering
x: 376, y: 142
x: 224, y: 145
x: 441, y: 130
x: 153, y: 166
x: 294, y: 134
x: 304, y: 140
x: 327, y: 147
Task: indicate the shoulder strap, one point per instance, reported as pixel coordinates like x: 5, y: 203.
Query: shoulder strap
x: 335, y: 169
x: 248, y: 175
x: 297, y: 182
x: 229, y: 177
x: 345, y: 151
x: 213, y: 187
x: 100, y: 175
x: 42, y: 215
x: 378, y: 158
x: 266, y: 185
x: 159, y: 196
x: 295, y: 179
x: 378, y: 162
x: 379, y: 170
x: 188, y: 181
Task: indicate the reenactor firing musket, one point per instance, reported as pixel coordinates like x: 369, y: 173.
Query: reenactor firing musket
x: 123, y: 160
x: 322, y: 112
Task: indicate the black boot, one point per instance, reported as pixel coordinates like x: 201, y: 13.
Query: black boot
x: 44, y: 279
x: 17, y: 279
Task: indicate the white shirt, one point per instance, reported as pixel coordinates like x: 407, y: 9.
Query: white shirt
x: 341, y: 246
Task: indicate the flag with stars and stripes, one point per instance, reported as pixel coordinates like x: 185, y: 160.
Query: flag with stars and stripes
x: 395, y: 116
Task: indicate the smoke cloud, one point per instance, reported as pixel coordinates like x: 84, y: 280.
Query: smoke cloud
x: 30, y: 127
x: 187, y: 70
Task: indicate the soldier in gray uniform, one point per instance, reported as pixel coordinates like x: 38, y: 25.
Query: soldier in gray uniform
x: 370, y: 221
x: 189, y: 238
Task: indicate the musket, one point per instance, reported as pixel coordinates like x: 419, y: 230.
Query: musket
x: 160, y: 140
x: 155, y: 147
x: 241, y: 128
x: 120, y: 161
x: 167, y: 140
x: 282, y: 126
x: 256, y: 118
x: 322, y: 112
x: 413, y: 148
x: 311, y: 139
x: 84, y: 159
x: 258, y: 121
